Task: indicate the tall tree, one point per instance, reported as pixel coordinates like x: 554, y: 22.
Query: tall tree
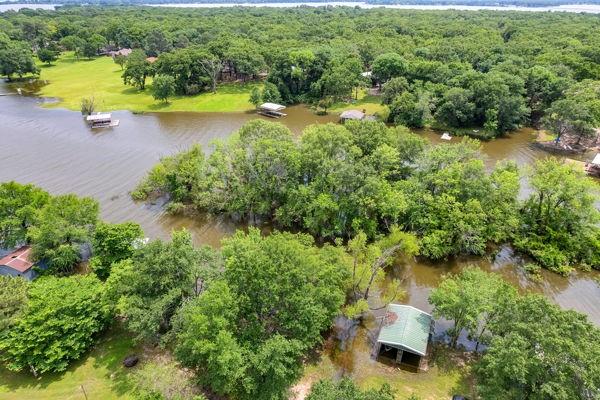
x: 558, y: 220
x: 63, y: 225
x: 247, y: 334
x: 60, y: 321
x: 112, y: 243
x: 369, y: 262
x: 19, y: 205
x: 13, y: 300
x: 148, y: 288
x: 471, y: 300
x: 539, y: 351
x: 137, y: 69
x: 388, y: 66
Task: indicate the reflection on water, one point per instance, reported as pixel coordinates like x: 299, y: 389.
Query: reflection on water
x: 57, y: 151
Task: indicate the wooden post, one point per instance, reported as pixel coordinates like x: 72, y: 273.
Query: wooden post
x: 399, y: 356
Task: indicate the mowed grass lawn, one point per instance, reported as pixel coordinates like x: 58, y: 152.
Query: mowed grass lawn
x: 100, y: 372
x: 70, y: 79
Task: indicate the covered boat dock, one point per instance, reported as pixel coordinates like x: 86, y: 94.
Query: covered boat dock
x: 271, y: 110
x: 101, y: 120
x: 404, y: 336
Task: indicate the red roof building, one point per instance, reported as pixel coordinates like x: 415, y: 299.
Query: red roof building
x: 17, y: 263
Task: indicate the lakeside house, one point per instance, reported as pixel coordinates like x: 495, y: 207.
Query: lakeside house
x: 18, y: 263
x: 151, y: 60
x: 404, y: 336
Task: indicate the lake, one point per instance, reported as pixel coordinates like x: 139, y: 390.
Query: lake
x: 56, y: 150
x: 573, y: 8
x: 18, y: 6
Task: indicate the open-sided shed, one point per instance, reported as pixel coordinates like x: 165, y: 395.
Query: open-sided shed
x: 405, y: 334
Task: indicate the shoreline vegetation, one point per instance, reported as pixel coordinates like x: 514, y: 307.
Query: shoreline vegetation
x: 69, y: 79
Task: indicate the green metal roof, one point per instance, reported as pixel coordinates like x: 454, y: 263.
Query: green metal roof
x: 406, y: 327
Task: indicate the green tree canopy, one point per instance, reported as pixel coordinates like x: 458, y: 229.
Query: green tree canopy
x: 388, y: 66
x: 558, y: 220
x: 13, y: 300
x: 148, y: 288
x: 539, y: 351
x: 19, y: 205
x: 247, y: 333
x: 471, y: 300
x: 63, y: 224
x: 347, y: 389
x: 112, y: 243
x: 163, y: 87
x: 57, y: 326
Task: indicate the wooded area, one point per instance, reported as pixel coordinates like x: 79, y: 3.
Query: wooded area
x: 482, y: 73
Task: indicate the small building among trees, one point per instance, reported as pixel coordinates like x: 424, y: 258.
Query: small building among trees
x: 18, y: 263
x: 355, y: 115
x: 593, y: 167
x: 404, y: 336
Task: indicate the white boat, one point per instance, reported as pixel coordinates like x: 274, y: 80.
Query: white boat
x: 446, y: 136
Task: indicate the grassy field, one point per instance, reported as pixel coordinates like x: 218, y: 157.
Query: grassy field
x: 70, y: 79
x: 371, y: 104
x: 100, y: 373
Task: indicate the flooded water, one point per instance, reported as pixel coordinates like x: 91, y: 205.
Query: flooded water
x: 56, y: 150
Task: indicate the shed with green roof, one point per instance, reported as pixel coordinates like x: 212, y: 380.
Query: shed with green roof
x: 405, y: 334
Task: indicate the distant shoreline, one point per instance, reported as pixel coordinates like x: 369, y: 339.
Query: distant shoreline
x: 550, y: 5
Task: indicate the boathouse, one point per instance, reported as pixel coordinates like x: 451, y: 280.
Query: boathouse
x: 404, y: 336
x: 18, y: 263
x: 271, y: 110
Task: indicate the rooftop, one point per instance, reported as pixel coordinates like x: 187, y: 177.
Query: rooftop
x: 352, y: 114
x: 272, y: 107
x: 99, y: 117
x: 596, y: 160
x: 406, y: 327
x: 18, y: 259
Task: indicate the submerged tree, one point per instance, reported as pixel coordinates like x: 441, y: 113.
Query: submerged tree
x: 369, y: 262
x: 558, y: 220
x: 471, y: 300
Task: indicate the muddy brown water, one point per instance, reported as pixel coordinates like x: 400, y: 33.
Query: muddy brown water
x: 55, y: 149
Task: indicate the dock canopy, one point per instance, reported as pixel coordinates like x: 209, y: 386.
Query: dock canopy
x: 99, y: 117
x: 271, y: 107
x: 407, y: 328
